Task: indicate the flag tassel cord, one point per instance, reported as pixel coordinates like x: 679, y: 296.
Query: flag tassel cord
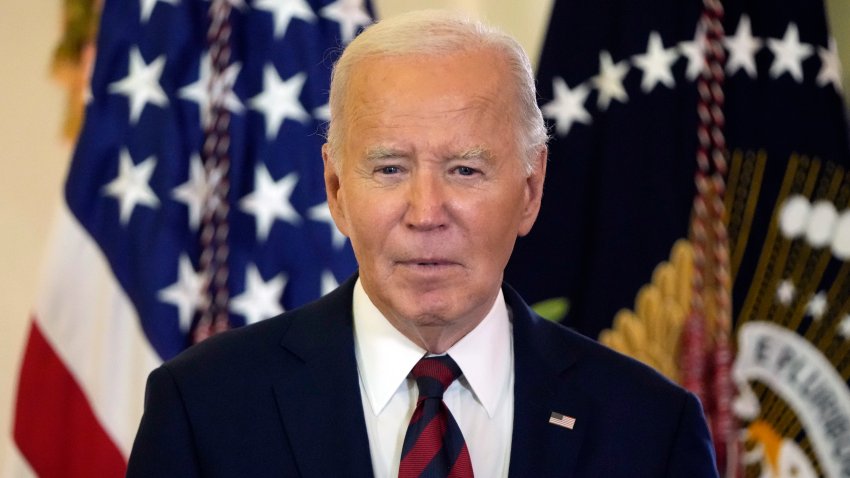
x: 707, y: 354
x: 214, y: 310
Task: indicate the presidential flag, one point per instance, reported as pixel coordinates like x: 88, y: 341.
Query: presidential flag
x: 194, y: 203
x: 696, y: 213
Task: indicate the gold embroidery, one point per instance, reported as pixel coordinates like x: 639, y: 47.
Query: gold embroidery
x: 651, y: 332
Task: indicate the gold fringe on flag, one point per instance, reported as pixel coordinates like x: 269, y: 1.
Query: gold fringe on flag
x: 73, y: 58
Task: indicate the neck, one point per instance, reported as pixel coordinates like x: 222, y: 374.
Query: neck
x: 434, y: 335
x: 436, y: 329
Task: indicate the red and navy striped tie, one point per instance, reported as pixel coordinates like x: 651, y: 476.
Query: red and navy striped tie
x: 434, y: 446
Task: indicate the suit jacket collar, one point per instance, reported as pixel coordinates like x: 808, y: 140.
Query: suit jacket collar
x: 318, y: 394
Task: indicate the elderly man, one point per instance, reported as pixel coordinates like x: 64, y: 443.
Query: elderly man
x: 425, y: 363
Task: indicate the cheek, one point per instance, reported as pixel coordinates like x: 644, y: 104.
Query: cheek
x: 498, y: 221
x: 370, y: 220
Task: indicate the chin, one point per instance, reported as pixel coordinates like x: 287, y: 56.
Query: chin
x: 432, y: 318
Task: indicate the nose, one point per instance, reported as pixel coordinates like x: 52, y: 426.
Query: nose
x: 427, y: 201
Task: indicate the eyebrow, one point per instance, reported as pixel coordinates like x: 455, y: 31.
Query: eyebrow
x: 378, y: 153
x: 478, y: 152
x: 382, y: 152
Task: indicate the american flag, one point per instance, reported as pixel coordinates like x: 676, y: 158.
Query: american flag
x: 194, y: 203
x: 562, y: 420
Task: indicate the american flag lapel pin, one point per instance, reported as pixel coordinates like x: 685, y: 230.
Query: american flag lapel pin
x: 565, y: 421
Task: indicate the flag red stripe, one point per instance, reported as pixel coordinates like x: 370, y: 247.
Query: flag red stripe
x: 55, y: 428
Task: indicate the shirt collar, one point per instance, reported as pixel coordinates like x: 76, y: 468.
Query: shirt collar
x: 385, y: 356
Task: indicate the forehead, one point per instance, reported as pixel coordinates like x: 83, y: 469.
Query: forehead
x: 464, y: 94
x: 474, y: 61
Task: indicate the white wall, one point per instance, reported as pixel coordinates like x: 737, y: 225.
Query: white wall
x: 838, y: 12
x: 526, y: 20
x: 33, y: 158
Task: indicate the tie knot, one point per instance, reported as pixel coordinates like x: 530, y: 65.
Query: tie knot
x: 434, y: 375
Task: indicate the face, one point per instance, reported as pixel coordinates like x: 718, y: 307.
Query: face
x: 431, y: 187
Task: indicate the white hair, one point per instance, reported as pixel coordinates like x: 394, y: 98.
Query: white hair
x: 436, y: 32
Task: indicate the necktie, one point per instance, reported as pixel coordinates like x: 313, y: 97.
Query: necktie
x: 434, y: 446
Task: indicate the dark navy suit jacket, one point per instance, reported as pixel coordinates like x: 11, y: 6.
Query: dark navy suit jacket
x: 281, y: 398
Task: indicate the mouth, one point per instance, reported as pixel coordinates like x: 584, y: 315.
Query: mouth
x: 428, y: 262
x: 429, y: 271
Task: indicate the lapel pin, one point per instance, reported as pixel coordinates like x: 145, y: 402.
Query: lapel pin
x: 562, y: 420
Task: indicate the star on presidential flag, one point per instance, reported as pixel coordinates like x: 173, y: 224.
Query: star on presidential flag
x: 568, y: 105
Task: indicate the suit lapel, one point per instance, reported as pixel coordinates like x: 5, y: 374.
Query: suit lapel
x: 542, y: 360
x: 318, y: 392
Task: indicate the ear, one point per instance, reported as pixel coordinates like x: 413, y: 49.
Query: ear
x: 534, y: 191
x: 336, y: 204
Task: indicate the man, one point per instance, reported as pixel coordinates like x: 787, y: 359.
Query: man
x: 434, y: 165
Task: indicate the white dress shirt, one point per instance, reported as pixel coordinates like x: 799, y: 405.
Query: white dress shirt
x: 481, y: 401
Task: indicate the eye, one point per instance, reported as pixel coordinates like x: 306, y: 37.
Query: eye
x: 389, y: 170
x: 465, y: 171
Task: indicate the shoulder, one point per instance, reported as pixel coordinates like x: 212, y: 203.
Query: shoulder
x: 599, y: 369
x: 634, y: 419
x: 259, y: 347
x: 235, y: 345
x: 609, y: 369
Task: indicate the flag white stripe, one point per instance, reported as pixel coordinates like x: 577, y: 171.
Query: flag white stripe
x: 92, y: 326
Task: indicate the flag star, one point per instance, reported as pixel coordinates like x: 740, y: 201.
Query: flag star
x: 146, y: 7
x: 329, y: 282
x: 609, y: 81
x: 694, y: 51
x: 186, y: 294
x: 211, y: 91
x: 141, y: 85
x: 830, y: 70
x: 817, y: 305
x: 260, y: 300
x: 284, y: 11
x: 322, y: 113
x: 789, y: 54
x: 742, y: 49
x: 279, y: 100
x: 785, y: 292
x: 844, y: 327
x: 131, y: 186
x: 194, y: 192
x: 323, y: 214
x: 656, y: 64
x: 350, y: 15
x: 568, y: 106
x: 270, y: 200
